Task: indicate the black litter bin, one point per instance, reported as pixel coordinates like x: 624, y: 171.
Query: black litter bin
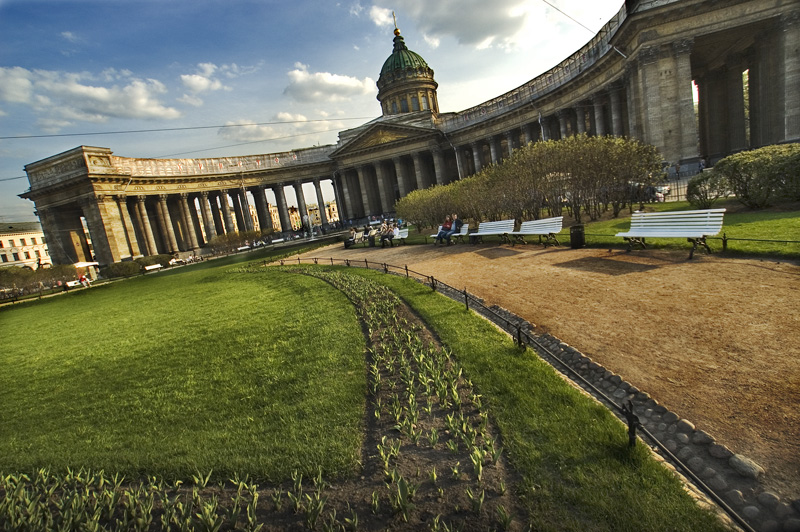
x: 577, y: 238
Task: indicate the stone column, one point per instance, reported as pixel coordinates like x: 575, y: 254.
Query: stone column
x: 544, y: 126
x: 283, y: 210
x: 438, y: 165
x: 737, y: 138
x: 476, y: 156
x: 580, y: 114
x: 387, y: 200
x: 460, y: 163
x: 302, y: 208
x: 187, y: 210
x: 494, y: 149
x: 246, y: 216
x: 168, y: 232
x: 651, y: 98
x: 510, y: 142
x: 599, y: 122
x: 362, y: 184
x: 526, y: 131
x: 219, y: 223
x: 323, y: 216
x: 127, y: 224
x: 401, y: 176
x: 262, y: 210
x: 226, y: 212
x: 688, y: 147
x: 344, y: 201
x: 208, y: 218
x: 52, y: 235
x: 237, y: 211
x: 419, y: 171
x: 615, y: 97
x: 147, y: 229
x: 791, y: 81
x: 563, y: 119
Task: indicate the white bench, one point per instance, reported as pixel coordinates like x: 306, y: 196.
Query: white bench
x: 694, y: 226
x: 276, y: 241
x: 152, y: 267
x: 500, y: 228
x: 403, y: 234
x: 458, y: 236
x: 548, y: 228
x: 74, y: 284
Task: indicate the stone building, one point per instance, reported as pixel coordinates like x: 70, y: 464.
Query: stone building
x: 22, y: 244
x: 635, y: 78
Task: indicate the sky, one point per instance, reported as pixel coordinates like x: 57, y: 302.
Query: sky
x: 278, y: 75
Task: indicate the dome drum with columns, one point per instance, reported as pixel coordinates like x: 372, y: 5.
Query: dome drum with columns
x: 406, y: 83
x: 634, y: 78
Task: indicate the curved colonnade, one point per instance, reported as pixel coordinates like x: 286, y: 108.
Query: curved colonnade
x: 634, y: 78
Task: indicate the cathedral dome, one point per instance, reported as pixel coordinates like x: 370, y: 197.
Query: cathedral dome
x: 406, y: 82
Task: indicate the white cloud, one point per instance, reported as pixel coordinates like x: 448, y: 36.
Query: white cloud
x: 381, y: 16
x: 71, y: 37
x: 62, y: 97
x: 305, y: 86
x: 284, y: 125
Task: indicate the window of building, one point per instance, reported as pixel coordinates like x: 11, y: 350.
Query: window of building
x: 394, y: 108
x: 27, y: 255
x: 5, y: 257
x: 425, y: 105
x: 11, y: 242
x: 16, y: 256
x: 404, y: 105
x: 22, y: 242
x: 414, y: 103
x: 33, y: 240
x: 38, y: 253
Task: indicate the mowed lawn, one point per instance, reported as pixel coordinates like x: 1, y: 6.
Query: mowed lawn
x: 169, y: 375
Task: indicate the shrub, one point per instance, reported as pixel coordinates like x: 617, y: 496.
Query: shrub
x: 705, y: 188
x: 121, y: 269
x: 162, y: 259
x: 759, y: 176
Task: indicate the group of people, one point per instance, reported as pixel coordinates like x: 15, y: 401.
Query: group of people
x: 451, y: 225
x: 386, y: 233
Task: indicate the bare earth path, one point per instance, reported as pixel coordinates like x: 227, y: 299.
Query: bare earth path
x: 715, y: 339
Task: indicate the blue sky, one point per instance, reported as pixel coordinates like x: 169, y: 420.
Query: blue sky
x: 307, y: 68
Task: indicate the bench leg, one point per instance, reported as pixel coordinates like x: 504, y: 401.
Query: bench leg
x: 549, y: 239
x: 634, y: 240
x: 504, y: 239
x: 698, y: 242
x: 520, y: 239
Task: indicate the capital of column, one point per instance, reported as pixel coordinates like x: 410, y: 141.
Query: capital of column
x: 649, y: 55
x: 790, y: 18
x: 163, y: 198
x: 682, y: 46
x: 120, y: 197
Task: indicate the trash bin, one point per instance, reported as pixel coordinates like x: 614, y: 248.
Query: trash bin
x: 577, y: 239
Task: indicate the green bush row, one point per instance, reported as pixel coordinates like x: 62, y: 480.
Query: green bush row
x: 582, y: 175
x: 758, y: 178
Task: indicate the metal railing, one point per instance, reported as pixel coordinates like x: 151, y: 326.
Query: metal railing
x: 520, y: 331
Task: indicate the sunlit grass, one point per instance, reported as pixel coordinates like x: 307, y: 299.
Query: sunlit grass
x: 168, y: 375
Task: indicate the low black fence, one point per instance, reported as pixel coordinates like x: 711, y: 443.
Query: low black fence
x: 522, y: 333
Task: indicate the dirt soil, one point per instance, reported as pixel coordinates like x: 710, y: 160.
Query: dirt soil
x: 714, y: 339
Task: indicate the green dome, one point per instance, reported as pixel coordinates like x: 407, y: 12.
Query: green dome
x: 402, y: 58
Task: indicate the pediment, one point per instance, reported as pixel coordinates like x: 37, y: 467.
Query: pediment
x: 383, y: 135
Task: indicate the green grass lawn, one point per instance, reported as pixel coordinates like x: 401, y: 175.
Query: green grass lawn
x: 194, y: 370
x: 261, y: 374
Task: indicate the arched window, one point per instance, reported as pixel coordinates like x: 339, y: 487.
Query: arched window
x: 394, y: 108
x: 414, y: 103
x: 425, y: 105
x: 403, y: 105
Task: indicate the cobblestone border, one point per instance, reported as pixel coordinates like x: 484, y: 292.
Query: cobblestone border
x: 732, y: 477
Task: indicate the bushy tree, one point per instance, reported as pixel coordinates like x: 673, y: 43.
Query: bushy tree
x: 705, y: 188
x: 760, y: 177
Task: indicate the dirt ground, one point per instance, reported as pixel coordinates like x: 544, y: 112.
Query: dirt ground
x: 714, y: 339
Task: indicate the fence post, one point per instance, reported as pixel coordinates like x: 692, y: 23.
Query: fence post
x: 466, y: 297
x: 724, y: 242
x: 385, y: 268
x: 433, y: 283
x: 316, y: 261
x: 519, y: 337
x: 298, y: 260
x: 406, y: 270
x: 331, y: 261
x: 347, y: 262
x: 281, y: 262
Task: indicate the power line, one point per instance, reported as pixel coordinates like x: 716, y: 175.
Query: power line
x: 246, y: 143
x: 188, y: 128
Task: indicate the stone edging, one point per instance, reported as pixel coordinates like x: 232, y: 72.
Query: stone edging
x: 733, y: 477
